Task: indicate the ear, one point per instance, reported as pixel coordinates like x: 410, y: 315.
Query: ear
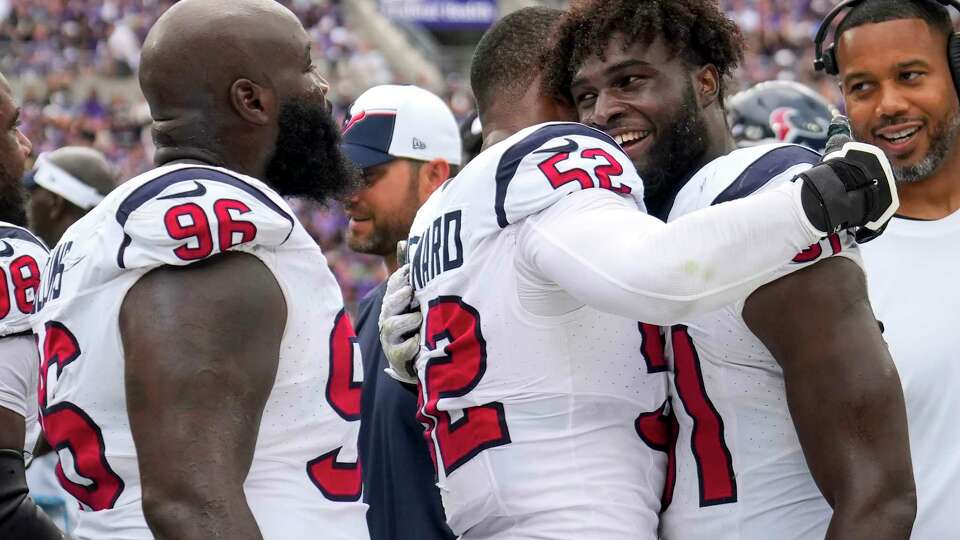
x: 707, y: 84
x: 252, y: 102
x: 432, y: 175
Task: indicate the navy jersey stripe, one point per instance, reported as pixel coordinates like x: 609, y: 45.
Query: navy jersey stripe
x: 511, y: 159
x: 768, y: 167
x: 151, y: 189
x: 16, y: 233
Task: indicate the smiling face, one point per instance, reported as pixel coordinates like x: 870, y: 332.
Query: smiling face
x: 901, y: 99
x: 643, y: 96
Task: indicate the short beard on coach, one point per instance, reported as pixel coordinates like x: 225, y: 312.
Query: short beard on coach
x: 942, y: 140
x: 307, y: 161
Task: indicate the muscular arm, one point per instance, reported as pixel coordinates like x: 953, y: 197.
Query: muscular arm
x: 202, y: 344
x: 605, y: 253
x: 844, y: 396
x: 19, y: 516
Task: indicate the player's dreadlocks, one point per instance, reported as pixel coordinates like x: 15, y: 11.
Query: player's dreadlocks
x: 697, y: 30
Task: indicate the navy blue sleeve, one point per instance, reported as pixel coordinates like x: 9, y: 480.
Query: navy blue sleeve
x: 768, y: 167
x: 398, y: 477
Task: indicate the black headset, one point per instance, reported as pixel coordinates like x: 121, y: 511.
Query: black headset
x: 826, y: 60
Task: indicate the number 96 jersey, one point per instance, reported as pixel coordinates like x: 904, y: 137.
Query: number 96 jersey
x: 540, y: 426
x: 304, y: 477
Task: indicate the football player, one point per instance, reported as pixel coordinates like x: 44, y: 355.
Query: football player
x: 790, y: 418
x: 198, y: 374
x: 21, y: 257
x: 543, y: 419
x: 64, y: 185
x: 779, y: 111
x: 904, y: 100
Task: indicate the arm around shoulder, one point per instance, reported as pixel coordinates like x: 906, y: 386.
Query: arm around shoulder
x: 610, y: 255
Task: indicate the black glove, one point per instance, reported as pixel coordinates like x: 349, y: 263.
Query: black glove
x: 20, y: 519
x: 852, y: 188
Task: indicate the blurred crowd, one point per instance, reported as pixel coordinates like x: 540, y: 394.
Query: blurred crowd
x: 779, y: 36
x: 52, y: 49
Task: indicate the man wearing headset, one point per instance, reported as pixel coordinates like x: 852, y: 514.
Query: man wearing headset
x: 892, y: 58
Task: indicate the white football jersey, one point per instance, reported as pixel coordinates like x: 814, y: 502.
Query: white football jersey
x: 22, y: 256
x: 304, y: 477
x: 737, y: 468
x: 539, y: 426
x: 910, y: 275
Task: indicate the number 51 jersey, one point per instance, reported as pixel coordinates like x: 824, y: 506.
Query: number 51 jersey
x: 740, y: 473
x: 536, y: 423
x: 304, y: 477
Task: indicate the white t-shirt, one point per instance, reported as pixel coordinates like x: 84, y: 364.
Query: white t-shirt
x: 911, y: 274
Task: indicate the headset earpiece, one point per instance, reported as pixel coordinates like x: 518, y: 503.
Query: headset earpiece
x: 826, y: 59
x: 830, y: 65
x: 953, y: 58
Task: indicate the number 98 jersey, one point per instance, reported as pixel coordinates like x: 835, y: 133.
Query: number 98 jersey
x: 540, y: 426
x: 304, y: 477
x: 22, y: 255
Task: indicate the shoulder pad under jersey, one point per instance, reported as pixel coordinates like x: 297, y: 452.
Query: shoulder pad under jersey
x: 22, y: 257
x: 540, y: 165
x: 195, y: 212
x: 742, y: 173
x: 751, y: 170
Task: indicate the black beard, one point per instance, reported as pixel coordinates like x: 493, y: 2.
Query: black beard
x: 678, y: 148
x: 307, y: 161
x: 13, y: 199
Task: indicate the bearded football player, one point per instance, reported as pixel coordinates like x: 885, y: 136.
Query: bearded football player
x: 198, y: 364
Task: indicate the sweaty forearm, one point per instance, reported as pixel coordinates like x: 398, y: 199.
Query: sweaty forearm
x: 621, y: 261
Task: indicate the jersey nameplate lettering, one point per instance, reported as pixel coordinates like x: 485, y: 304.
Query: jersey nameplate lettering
x: 439, y: 249
x: 52, y: 276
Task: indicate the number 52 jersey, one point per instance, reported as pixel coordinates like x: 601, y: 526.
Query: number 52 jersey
x: 304, y: 477
x: 540, y: 425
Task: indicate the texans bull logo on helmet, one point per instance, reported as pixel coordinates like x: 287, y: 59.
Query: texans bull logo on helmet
x: 789, y: 125
x: 780, y: 111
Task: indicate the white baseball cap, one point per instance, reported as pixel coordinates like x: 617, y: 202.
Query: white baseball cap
x: 390, y: 121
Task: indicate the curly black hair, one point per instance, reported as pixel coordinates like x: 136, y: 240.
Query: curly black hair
x: 696, y: 30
